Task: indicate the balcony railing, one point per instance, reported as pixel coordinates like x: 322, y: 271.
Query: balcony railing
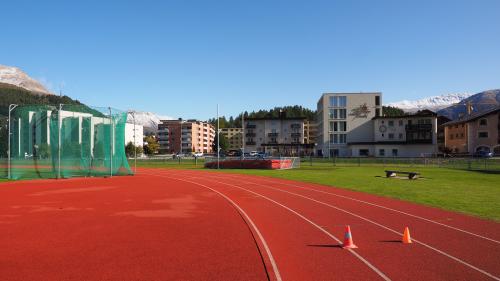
x: 295, y: 135
x: 272, y: 135
x: 250, y: 143
x: 251, y: 126
x: 250, y: 134
x: 419, y: 141
x: 295, y: 126
x: 418, y: 127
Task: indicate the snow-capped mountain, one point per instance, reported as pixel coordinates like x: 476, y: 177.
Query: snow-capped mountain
x: 149, y: 120
x: 15, y: 76
x: 480, y: 102
x: 432, y: 103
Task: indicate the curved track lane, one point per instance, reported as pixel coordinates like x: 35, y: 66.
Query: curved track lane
x: 441, y: 253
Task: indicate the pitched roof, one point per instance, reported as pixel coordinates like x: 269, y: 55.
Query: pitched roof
x: 473, y: 116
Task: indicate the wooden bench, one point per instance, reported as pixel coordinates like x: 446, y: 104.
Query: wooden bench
x: 411, y: 175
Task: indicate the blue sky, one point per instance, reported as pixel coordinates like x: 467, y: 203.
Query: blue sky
x: 180, y: 58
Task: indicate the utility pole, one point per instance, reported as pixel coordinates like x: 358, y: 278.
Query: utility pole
x: 11, y: 107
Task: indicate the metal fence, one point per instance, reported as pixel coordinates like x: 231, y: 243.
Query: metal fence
x: 483, y: 164
x: 480, y: 164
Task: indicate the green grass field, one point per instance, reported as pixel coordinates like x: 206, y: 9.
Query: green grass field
x: 469, y: 192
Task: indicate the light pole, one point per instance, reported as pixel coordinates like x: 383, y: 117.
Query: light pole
x: 11, y: 107
x: 218, y: 148
x: 243, y: 135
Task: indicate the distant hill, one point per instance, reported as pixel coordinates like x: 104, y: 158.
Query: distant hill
x: 480, y: 102
x: 14, y: 76
x: 11, y: 94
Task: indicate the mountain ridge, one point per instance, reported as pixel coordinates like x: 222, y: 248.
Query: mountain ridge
x: 15, y: 76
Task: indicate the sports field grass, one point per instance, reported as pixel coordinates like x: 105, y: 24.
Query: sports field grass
x: 469, y: 192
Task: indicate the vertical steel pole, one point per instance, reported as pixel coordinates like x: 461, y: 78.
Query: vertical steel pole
x: 218, y: 148
x: 111, y: 143
x: 135, y: 143
x: 180, y: 139
x: 59, y: 125
x: 243, y: 134
x: 11, y: 107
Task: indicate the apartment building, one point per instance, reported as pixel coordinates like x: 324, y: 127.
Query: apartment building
x: 412, y: 135
x: 277, y: 136
x: 345, y: 118
x: 185, y: 136
x: 474, y: 133
x: 234, y: 137
x: 310, y: 132
x: 134, y: 134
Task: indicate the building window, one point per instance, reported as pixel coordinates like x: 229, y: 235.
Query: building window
x: 483, y: 122
x: 338, y: 101
x: 451, y: 136
x: 381, y: 152
x: 338, y: 113
x: 338, y: 138
x: 482, y: 135
x: 401, y: 122
x: 400, y: 136
x: 390, y: 123
x: 391, y: 136
x: 377, y: 100
x: 394, y: 152
x: 363, y: 152
x: 377, y: 112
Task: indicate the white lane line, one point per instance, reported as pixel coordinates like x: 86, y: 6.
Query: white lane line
x: 259, y: 234
x: 371, y: 266
x: 385, y: 227
x: 383, y: 207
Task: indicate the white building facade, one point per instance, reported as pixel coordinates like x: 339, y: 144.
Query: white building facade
x: 402, y: 136
x: 344, y: 118
x: 134, y: 134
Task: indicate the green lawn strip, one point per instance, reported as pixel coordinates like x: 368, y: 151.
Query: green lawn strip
x: 468, y: 192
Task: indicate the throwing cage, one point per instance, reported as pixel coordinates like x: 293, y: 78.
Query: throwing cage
x: 65, y: 141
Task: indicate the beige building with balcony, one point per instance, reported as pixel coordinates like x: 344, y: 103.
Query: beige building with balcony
x: 185, y: 136
x: 276, y: 136
x: 234, y: 137
x: 474, y: 133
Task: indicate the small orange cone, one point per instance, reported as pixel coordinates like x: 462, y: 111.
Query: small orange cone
x: 406, y: 236
x: 348, y: 243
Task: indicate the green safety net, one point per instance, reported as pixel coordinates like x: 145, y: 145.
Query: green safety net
x: 67, y: 141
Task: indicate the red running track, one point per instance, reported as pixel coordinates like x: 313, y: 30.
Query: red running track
x: 200, y: 225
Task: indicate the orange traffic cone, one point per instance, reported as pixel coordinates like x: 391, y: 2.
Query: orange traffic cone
x: 348, y: 243
x: 406, y: 236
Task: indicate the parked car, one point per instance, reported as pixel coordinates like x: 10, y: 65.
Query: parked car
x: 483, y: 154
x: 254, y: 153
x: 198, y: 154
